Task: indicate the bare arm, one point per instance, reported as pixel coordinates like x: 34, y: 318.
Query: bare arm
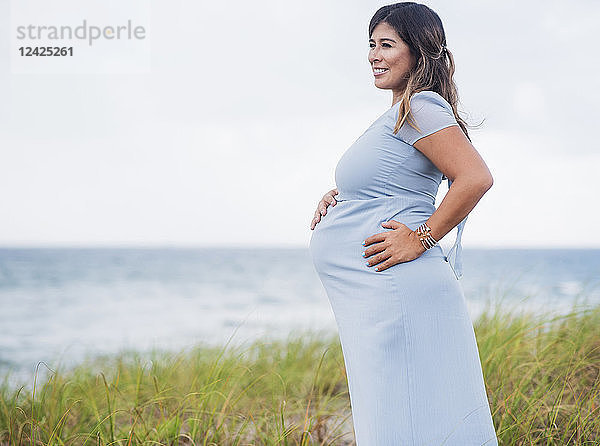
x: 454, y: 155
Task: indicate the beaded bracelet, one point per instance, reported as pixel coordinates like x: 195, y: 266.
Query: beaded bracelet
x: 424, y: 233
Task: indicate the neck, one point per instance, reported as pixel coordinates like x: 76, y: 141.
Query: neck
x: 397, y: 96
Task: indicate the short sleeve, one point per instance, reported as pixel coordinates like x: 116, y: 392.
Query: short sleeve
x: 431, y: 112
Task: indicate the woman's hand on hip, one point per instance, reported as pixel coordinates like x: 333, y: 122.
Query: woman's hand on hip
x: 328, y: 199
x: 389, y: 248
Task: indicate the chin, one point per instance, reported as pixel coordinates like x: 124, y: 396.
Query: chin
x: 381, y: 85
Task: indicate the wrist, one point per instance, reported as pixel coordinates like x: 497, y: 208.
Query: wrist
x: 424, y: 235
x: 417, y: 242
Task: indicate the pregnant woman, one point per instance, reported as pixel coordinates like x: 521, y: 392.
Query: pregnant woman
x: 411, y: 357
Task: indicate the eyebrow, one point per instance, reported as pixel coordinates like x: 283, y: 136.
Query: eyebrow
x: 391, y: 40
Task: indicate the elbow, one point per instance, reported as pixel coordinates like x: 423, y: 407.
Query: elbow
x: 486, y: 182
x: 481, y: 182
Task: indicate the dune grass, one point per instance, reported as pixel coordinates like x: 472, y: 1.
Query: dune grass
x: 542, y: 377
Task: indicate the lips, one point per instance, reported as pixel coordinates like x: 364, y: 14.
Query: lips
x: 380, y: 71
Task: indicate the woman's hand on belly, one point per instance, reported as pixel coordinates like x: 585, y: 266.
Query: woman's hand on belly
x: 328, y: 199
x: 389, y: 248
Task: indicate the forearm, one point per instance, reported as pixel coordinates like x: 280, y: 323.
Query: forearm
x: 461, y: 198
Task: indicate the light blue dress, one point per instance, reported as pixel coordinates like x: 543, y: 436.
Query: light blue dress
x: 412, y: 363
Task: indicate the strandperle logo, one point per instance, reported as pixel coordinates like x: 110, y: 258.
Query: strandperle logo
x: 89, y: 33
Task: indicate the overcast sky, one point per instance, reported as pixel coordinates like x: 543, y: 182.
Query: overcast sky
x: 230, y: 132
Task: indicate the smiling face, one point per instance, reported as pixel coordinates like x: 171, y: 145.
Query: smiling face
x: 390, y: 59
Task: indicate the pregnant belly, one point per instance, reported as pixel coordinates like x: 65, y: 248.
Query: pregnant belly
x: 336, y: 241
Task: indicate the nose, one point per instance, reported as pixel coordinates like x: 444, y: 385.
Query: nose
x: 374, y: 55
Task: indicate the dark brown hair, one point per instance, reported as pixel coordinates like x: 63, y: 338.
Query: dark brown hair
x: 422, y: 30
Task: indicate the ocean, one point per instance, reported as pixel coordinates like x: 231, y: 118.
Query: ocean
x: 61, y: 305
